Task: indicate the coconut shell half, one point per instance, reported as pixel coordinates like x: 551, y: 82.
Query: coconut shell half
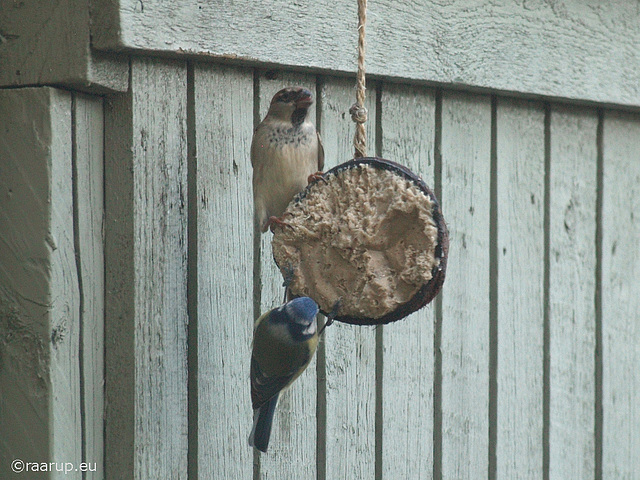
x: 368, y: 239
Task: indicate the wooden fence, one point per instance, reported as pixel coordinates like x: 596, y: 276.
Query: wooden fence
x: 130, y: 279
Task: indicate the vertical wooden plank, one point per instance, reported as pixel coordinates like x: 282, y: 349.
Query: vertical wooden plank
x: 466, y: 145
x: 349, y: 349
x: 119, y: 312
x: 159, y: 128
x: 39, y: 303
x: 89, y: 193
x: 25, y: 188
x: 407, y: 363
x: 146, y: 266
x: 64, y: 300
x: 223, y: 98
x: 292, y: 449
x: 621, y: 296
x: 572, y: 289
x: 520, y: 216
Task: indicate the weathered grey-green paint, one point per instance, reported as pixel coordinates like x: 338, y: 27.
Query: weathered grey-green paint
x: 572, y: 276
x: 620, y: 295
x: 51, y: 317
x: 565, y: 49
x: 525, y: 369
x: 569, y: 50
x: 223, y: 101
x: 48, y: 43
x: 146, y: 274
x: 466, y: 162
x: 520, y: 174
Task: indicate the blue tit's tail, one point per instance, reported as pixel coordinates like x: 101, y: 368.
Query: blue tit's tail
x: 262, y: 420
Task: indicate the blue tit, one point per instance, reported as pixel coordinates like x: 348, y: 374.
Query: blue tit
x: 284, y: 342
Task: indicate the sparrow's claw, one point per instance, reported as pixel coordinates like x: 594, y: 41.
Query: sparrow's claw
x: 314, y: 177
x: 287, y: 274
x: 277, y: 221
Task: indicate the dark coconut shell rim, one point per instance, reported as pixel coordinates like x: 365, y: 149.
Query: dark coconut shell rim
x: 429, y: 290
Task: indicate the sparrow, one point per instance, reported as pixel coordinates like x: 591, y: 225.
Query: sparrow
x: 286, y: 154
x: 284, y: 342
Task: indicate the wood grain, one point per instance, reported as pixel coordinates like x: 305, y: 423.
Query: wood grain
x: 88, y: 131
x: 507, y: 45
x: 64, y: 300
x: 349, y: 349
x: 520, y: 153
x: 466, y: 141
x: 39, y: 295
x: 49, y: 43
x: 621, y: 295
x: 146, y: 274
x: 572, y: 289
x: 407, y: 378
x: 224, y: 124
x: 292, y: 449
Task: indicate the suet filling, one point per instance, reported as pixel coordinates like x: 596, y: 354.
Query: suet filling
x: 366, y: 238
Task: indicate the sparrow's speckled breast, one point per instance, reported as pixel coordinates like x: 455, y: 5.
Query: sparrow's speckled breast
x: 280, y: 137
x: 290, y: 156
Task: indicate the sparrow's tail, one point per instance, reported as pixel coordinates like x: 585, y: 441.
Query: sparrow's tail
x: 262, y: 420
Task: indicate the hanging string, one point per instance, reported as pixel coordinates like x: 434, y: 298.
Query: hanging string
x: 357, y: 110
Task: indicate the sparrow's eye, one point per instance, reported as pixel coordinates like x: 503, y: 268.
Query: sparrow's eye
x: 285, y: 97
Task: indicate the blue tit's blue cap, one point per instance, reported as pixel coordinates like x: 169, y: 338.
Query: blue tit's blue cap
x: 303, y: 308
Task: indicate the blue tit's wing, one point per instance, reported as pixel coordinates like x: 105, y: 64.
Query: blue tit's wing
x: 263, y: 387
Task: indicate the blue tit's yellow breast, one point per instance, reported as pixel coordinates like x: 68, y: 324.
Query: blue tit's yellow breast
x: 277, y: 353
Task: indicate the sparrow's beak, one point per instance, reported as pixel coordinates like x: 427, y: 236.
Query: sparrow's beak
x: 305, y: 99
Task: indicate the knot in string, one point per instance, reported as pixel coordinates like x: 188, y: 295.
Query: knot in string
x: 358, y: 113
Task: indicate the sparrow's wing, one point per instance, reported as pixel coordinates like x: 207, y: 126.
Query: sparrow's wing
x: 264, y: 388
x: 258, y: 138
x: 320, y: 153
